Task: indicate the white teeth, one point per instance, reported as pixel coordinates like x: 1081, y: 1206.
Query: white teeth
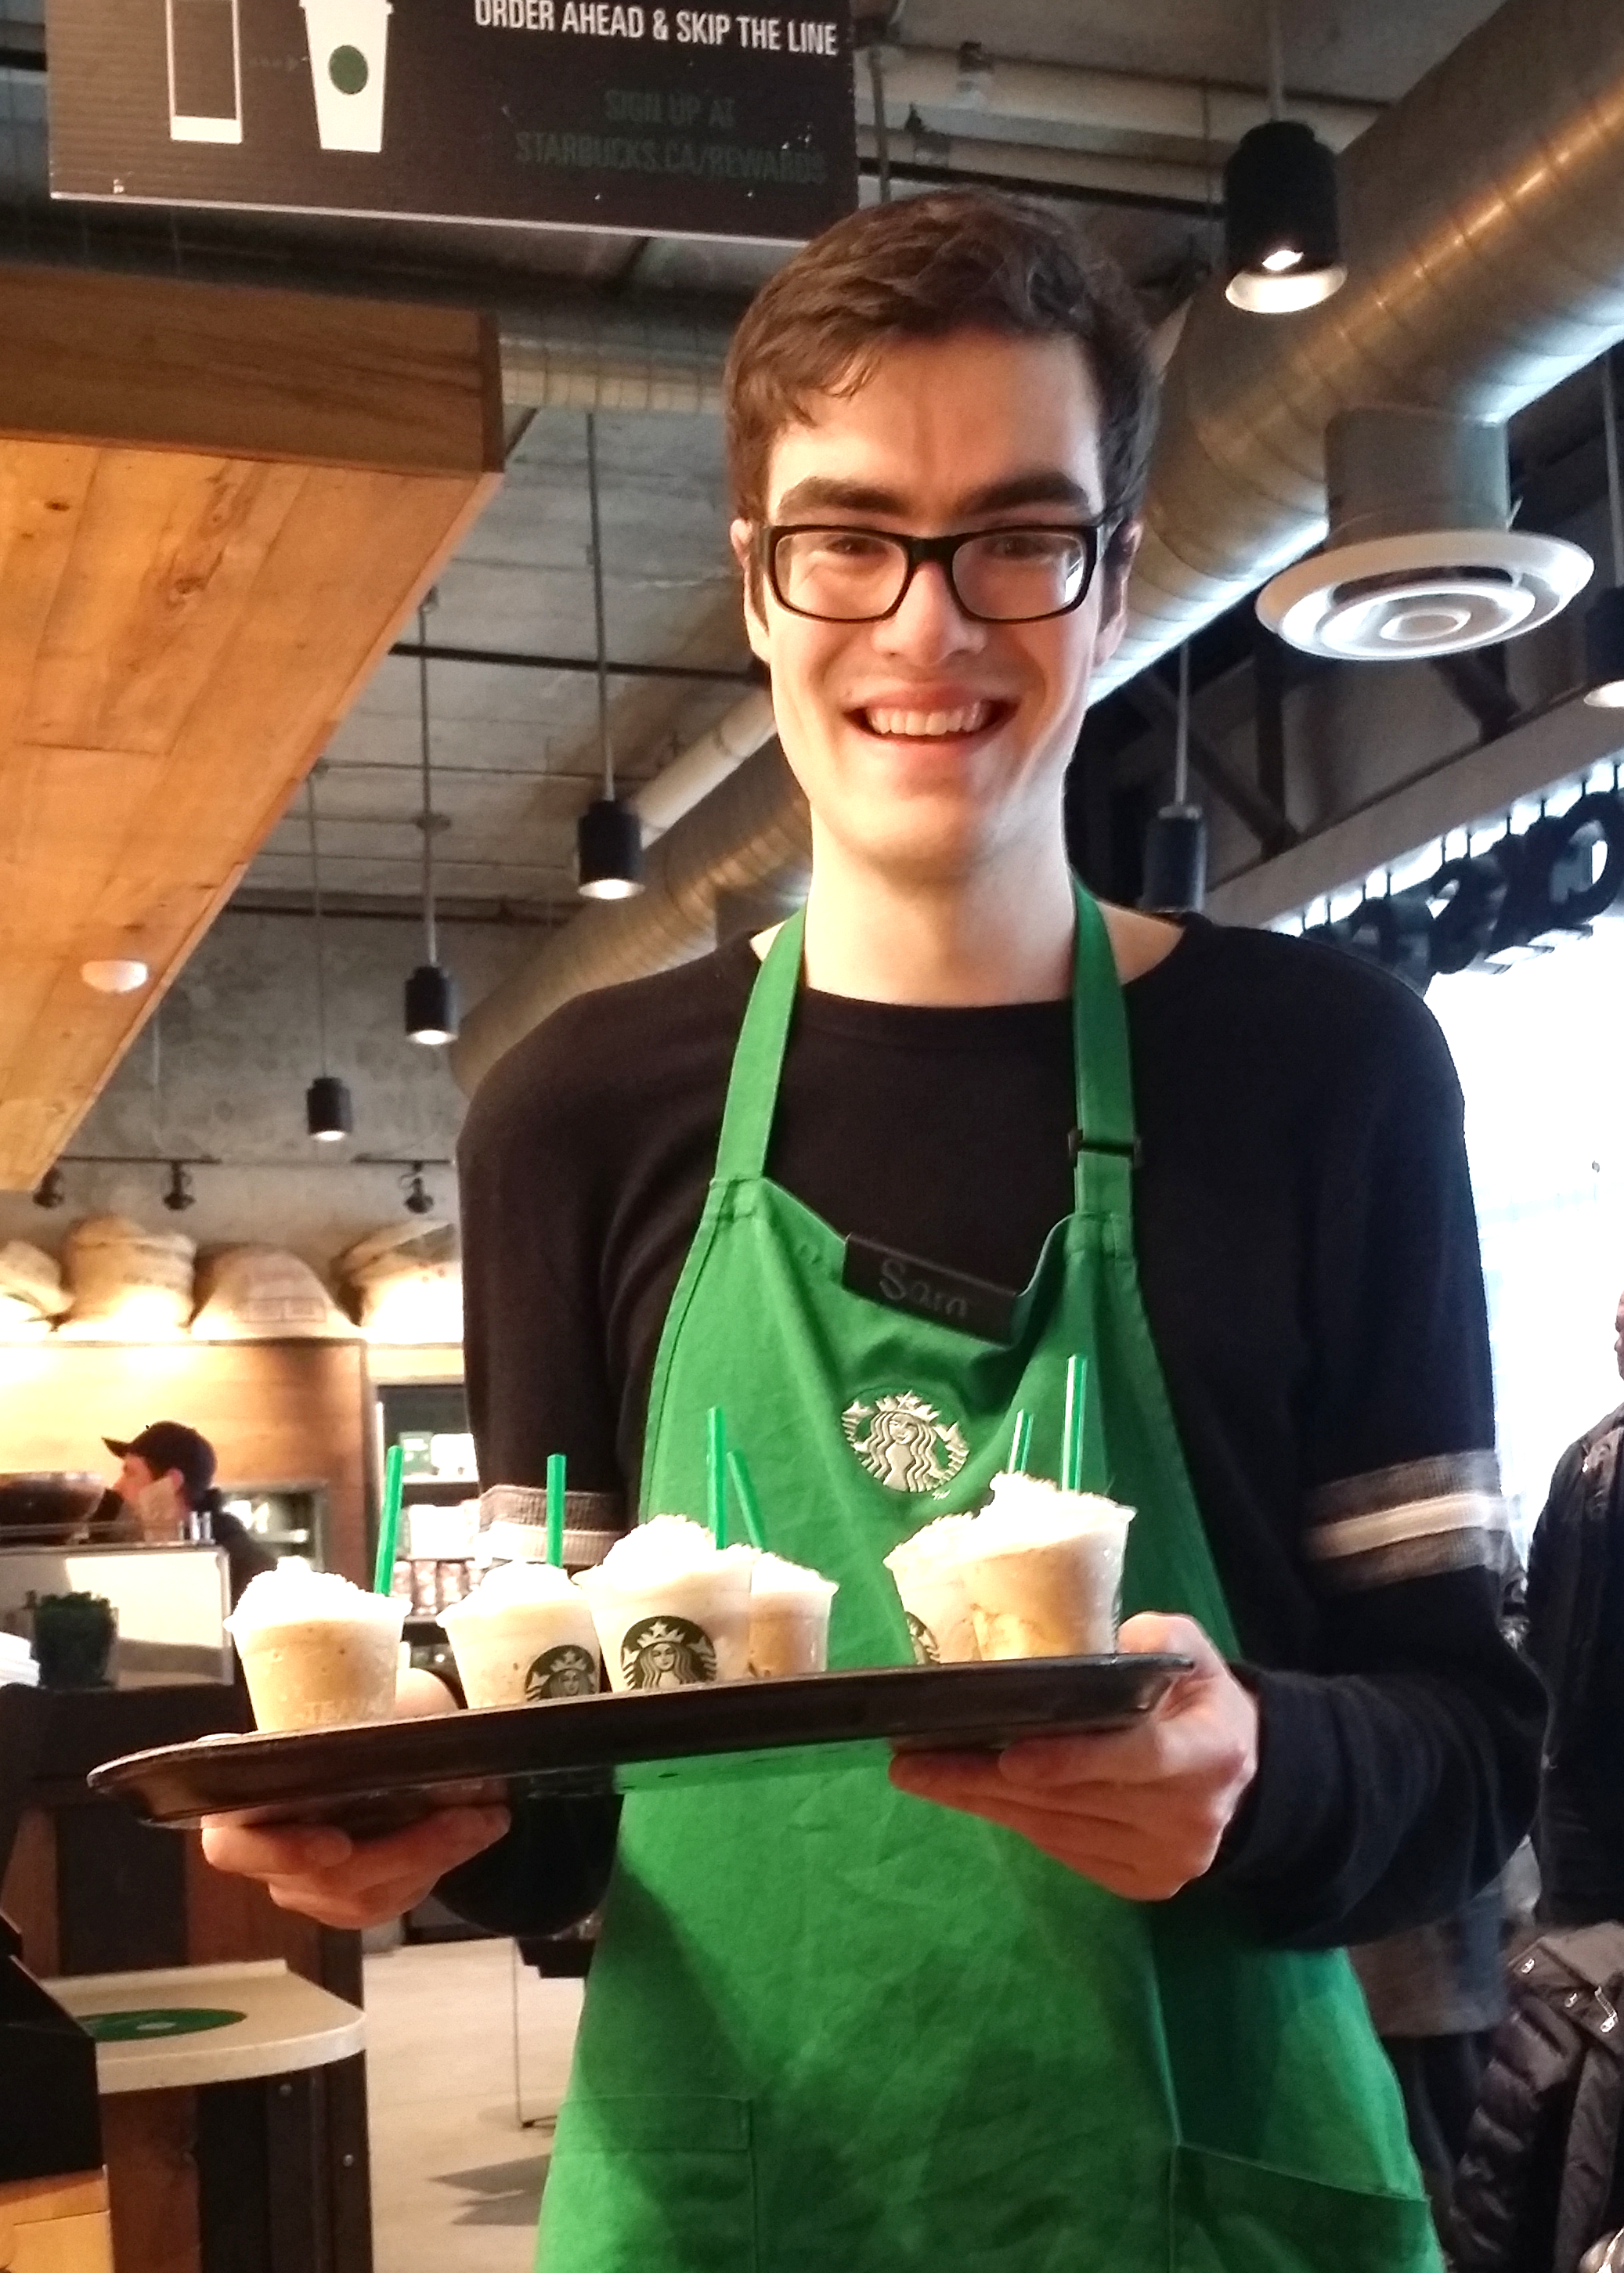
x: 924, y: 724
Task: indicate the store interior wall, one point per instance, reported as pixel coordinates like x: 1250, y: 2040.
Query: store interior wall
x: 222, y: 1069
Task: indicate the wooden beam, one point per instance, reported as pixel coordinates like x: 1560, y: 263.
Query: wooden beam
x: 217, y: 509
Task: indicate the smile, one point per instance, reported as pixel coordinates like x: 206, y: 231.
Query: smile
x: 932, y: 725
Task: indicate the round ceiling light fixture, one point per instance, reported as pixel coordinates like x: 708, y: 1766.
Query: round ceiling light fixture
x: 1418, y: 561
x: 115, y: 974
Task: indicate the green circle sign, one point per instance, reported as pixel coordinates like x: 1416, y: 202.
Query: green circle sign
x: 156, y: 2021
x: 347, y: 68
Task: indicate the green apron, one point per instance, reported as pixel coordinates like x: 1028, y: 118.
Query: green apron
x: 832, y: 2026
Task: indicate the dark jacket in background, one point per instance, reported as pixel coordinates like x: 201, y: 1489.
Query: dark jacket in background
x: 1576, y: 1637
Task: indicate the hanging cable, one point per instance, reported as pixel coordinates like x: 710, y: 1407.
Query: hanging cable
x: 1181, y: 740
x: 315, y: 909
x: 431, y: 953
x: 881, y: 131
x: 1610, y: 437
x: 605, y: 751
x: 1276, y: 60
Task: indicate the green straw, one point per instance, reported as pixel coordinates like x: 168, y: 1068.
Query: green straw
x: 1022, y: 1444
x: 716, y: 1473
x: 555, y: 1510
x: 389, y: 1520
x: 744, y: 1484
x: 1075, y: 1414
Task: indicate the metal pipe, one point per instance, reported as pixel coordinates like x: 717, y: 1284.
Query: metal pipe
x: 972, y: 86
x: 706, y: 764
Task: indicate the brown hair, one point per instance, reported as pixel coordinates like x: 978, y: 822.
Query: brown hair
x: 921, y: 269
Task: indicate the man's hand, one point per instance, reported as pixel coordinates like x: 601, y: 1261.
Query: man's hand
x: 341, y: 1881
x: 1141, y: 1812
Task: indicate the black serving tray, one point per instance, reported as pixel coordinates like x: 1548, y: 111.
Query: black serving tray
x: 384, y: 1773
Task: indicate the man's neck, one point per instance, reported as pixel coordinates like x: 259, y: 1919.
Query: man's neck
x: 1000, y: 937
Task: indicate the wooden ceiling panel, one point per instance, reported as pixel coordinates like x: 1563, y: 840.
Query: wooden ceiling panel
x: 181, y: 629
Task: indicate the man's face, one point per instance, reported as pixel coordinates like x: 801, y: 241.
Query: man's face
x: 134, y: 1478
x: 928, y: 743
x: 156, y: 1500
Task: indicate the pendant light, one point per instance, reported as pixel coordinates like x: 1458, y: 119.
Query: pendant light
x: 328, y: 1114
x: 608, y: 834
x: 1282, y: 238
x: 1604, y: 622
x: 1176, y: 842
x: 430, y: 992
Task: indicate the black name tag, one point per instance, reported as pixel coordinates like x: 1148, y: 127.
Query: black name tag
x: 903, y: 1282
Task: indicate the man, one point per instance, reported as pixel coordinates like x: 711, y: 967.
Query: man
x: 1575, y: 1616
x: 1076, y: 2012
x: 166, y: 1479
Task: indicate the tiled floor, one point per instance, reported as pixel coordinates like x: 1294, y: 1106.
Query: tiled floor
x: 456, y: 2178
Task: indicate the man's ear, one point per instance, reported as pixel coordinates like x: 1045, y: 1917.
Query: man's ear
x: 741, y: 536
x: 1125, y: 543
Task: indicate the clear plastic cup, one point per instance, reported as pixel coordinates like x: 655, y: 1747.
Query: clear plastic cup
x: 524, y: 1635
x: 317, y: 1652
x: 789, y: 1619
x: 670, y: 1609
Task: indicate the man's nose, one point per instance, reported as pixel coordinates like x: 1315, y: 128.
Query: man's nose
x: 929, y: 624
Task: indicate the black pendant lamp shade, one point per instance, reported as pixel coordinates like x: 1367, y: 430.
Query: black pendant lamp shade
x: 1176, y: 862
x: 431, y: 1009
x: 609, y: 851
x: 329, y: 1113
x: 1282, y: 241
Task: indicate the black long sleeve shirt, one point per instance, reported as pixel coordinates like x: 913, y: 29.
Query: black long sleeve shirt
x: 1308, y: 1257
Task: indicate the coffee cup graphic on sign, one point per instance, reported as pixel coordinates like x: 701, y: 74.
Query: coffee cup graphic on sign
x: 204, y: 45
x: 348, y: 50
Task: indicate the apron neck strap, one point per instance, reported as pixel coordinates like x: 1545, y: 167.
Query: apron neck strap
x: 1103, y: 1141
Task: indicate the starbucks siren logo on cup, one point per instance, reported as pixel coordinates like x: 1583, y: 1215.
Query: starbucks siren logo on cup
x: 349, y: 51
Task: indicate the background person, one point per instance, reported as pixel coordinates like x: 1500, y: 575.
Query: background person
x: 1576, y: 1637
x: 166, y: 1480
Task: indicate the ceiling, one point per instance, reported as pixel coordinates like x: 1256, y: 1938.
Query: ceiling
x: 517, y: 750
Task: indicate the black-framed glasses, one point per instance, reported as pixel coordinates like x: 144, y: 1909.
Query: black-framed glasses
x: 842, y: 575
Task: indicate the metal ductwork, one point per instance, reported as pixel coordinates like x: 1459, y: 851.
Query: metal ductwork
x: 1484, y: 221
x: 584, y: 355
x: 749, y: 837
x: 1484, y: 216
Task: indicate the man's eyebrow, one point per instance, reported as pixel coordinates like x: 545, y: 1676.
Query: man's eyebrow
x: 826, y: 493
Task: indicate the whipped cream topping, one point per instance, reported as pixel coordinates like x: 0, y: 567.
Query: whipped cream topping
x: 293, y: 1594
x: 772, y: 1578
x: 512, y: 1587
x: 665, y: 1547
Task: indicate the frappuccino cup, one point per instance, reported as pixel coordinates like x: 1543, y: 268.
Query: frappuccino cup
x: 317, y: 1652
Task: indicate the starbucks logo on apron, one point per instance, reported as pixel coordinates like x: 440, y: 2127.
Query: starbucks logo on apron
x: 666, y: 1654
x: 567, y: 1671
x: 906, y: 1445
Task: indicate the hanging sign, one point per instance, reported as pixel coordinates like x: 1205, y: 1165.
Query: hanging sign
x: 570, y: 113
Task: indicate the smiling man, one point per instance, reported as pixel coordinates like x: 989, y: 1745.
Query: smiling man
x: 1081, y: 2004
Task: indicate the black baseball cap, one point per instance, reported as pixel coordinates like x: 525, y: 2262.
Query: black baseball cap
x: 166, y: 1444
